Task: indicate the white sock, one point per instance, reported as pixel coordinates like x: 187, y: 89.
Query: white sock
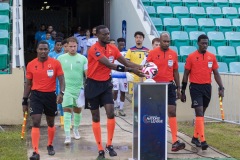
x: 115, y: 104
x: 121, y: 105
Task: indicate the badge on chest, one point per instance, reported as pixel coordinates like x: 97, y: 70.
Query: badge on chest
x: 50, y: 73
x: 170, y: 63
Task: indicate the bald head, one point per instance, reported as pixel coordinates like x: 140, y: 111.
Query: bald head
x: 164, y: 41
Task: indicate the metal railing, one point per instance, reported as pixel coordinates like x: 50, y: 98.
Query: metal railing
x: 231, y: 100
x: 17, y: 39
x: 147, y: 18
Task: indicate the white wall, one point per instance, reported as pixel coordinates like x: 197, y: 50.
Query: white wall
x: 127, y: 10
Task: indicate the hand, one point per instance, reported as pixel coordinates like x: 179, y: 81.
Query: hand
x: 138, y: 72
x: 178, y: 94
x: 221, y: 93
x: 183, y: 96
x: 59, y: 98
x: 25, y: 109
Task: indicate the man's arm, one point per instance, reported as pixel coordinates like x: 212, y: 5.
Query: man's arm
x: 184, y: 85
x: 120, y: 68
x: 26, y: 92
x: 62, y: 89
x: 218, y: 79
x: 177, y: 82
x: 128, y: 63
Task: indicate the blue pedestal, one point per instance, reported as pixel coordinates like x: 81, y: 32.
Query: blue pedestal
x: 150, y: 121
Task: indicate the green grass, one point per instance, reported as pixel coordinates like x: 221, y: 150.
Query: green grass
x: 11, y: 145
x: 223, y: 136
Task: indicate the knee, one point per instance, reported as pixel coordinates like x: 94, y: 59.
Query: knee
x: 95, y: 118
x: 172, y: 114
x: 51, y: 124
x: 36, y: 124
x: 110, y: 115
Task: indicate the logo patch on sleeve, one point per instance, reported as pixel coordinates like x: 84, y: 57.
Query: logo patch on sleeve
x: 97, y: 54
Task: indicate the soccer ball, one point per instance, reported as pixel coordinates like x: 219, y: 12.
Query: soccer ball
x: 150, y: 69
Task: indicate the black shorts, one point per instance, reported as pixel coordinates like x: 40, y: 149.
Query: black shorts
x: 43, y: 102
x: 98, y: 93
x: 172, y: 94
x: 200, y: 94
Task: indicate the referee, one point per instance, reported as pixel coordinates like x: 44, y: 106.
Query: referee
x: 41, y: 85
x: 199, y: 67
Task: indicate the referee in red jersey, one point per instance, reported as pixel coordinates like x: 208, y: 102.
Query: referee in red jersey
x: 41, y: 86
x: 199, y: 67
x: 98, y: 88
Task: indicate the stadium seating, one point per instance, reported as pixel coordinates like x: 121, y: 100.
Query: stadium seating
x: 216, y: 38
x: 3, y: 57
x: 181, y: 67
x: 158, y: 23
x: 4, y: 9
x: 233, y: 38
x: 157, y: 3
x: 189, y: 24
x: 151, y: 11
x: 230, y: 12
x: 224, y: 24
x: 212, y: 50
x: 180, y: 38
x: 173, y: 3
x: 185, y: 51
x: 206, y: 24
x: 171, y: 24
x: 164, y: 12
x: 221, y: 3
x: 193, y: 36
x: 214, y: 12
x: 181, y: 12
x: 234, y: 67
x: 190, y: 3
x: 234, y: 3
x: 223, y: 67
x: 227, y: 54
x: 198, y: 12
x: 206, y: 3
x: 236, y: 24
x: 238, y: 50
x: 146, y: 2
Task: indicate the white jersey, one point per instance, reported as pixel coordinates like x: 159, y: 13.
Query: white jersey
x: 92, y: 41
x: 79, y: 39
x: 116, y: 74
x: 84, y: 46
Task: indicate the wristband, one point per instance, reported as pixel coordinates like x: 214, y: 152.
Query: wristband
x: 120, y: 68
x: 221, y: 88
x: 25, y: 101
x: 184, y: 85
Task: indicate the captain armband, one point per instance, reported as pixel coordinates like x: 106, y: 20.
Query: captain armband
x: 25, y: 101
x: 184, y: 85
x: 120, y: 68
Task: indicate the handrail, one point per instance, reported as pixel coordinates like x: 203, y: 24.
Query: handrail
x: 147, y: 18
x: 17, y: 39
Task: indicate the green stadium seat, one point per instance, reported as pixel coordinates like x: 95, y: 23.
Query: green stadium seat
x: 221, y: 3
x: 181, y: 67
x: 184, y: 51
x: 212, y: 50
x: 227, y: 54
x: 158, y: 23
x: 4, y: 37
x: 174, y: 48
x: 181, y: 12
x: 3, y: 56
x: 146, y: 2
x: 216, y: 38
x: 198, y: 12
x: 224, y: 24
x: 193, y: 36
x: 173, y: 3
x: 222, y: 67
x: 160, y: 32
x: 234, y: 67
x: 189, y: 24
x: 236, y: 24
x: 230, y: 12
x: 157, y: 3
x: 4, y: 19
x: 171, y: 24
x: 214, y: 12
x: 151, y: 11
x: 4, y: 9
x: 238, y: 50
x: 234, y: 3
x: 206, y: 24
x: 180, y: 38
x: 233, y: 38
x: 206, y: 3
x: 164, y: 12
x: 190, y: 3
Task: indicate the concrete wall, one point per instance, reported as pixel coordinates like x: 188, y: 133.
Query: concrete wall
x: 127, y: 10
x: 11, y: 92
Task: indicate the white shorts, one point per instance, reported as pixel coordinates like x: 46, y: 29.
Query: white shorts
x: 120, y: 84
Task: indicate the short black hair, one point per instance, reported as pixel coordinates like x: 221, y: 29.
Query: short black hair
x: 202, y: 36
x: 43, y: 42
x: 59, y: 39
x: 64, y: 41
x: 98, y: 28
x: 139, y: 33
x: 121, y: 40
